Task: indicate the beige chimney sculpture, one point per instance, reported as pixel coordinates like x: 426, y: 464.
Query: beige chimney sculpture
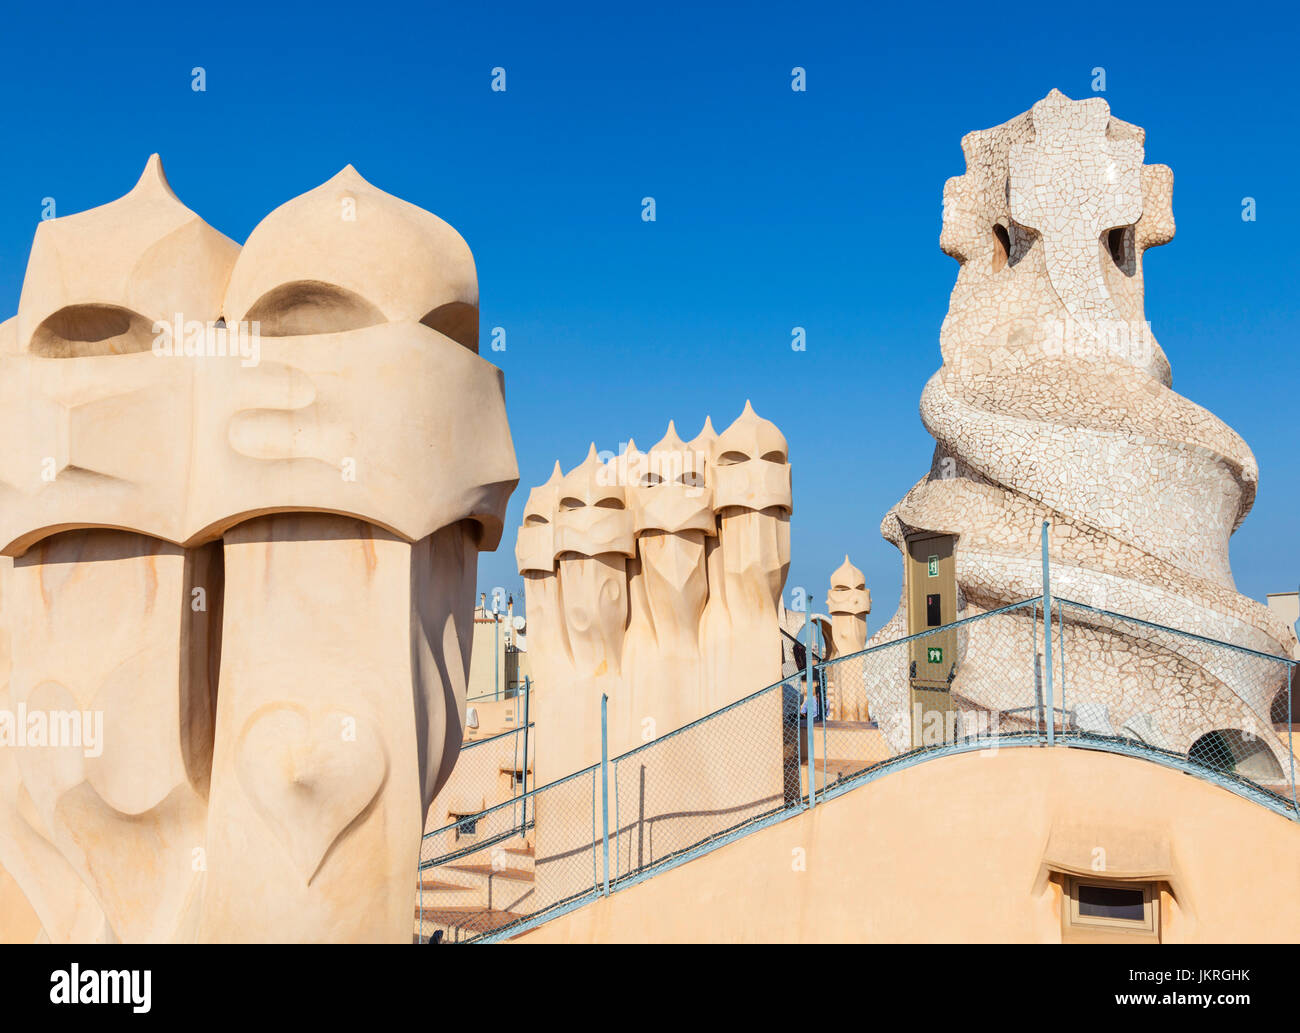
x: 669, y: 567
x: 673, y: 513
x: 848, y: 603
x: 535, y: 554
x: 244, y: 494
x: 749, y: 560
x: 593, y: 542
x: 1054, y: 403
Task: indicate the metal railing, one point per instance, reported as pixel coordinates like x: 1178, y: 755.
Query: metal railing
x: 485, y: 764
x: 1041, y: 672
x: 484, y: 859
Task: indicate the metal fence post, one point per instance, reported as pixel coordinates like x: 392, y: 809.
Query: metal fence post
x: 1047, y: 643
x: 792, y: 684
x: 604, y: 781
x: 823, y: 703
x: 528, y: 689
x: 810, y: 697
x: 1290, y: 732
x: 1060, y: 621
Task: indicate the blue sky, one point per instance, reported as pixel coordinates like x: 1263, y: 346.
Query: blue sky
x: 775, y: 209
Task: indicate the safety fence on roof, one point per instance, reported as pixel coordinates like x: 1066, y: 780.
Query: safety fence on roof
x: 1041, y: 672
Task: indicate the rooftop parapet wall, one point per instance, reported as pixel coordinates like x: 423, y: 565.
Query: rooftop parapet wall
x: 970, y: 848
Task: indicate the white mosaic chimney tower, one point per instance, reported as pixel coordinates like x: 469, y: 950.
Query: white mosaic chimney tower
x: 1054, y: 402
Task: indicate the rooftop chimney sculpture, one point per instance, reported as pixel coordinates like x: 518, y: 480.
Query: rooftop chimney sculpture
x: 535, y: 554
x: 244, y: 494
x: 673, y: 513
x: 668, y: 569
x: 1054, y: 403
x: 664, y: 580
x: 848, y: 603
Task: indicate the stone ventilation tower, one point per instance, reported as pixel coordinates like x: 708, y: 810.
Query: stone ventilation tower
x: 748, y: 561
x: 535, y: 554
x: 664, y: 570
x: 673, y: 511
x: 848, y: 603
x: 1054, y: 402
x: 257, y: 564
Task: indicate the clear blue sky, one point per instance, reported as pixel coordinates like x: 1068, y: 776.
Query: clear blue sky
x: 775, y: 209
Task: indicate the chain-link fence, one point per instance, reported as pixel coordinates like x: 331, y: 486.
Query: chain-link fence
x: 1223, y: 709
x: 794, y: 653
x: 706, y: 780
x: 979, y: 678
x: 511, y: 863
x: 488, y: 771
x: 1218, y: 709
x: 1071, y: 676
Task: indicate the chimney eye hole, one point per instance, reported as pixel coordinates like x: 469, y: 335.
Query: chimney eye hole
x: 1001, y: 247
x: 308, y: 307
x: 81, y: 331
x: 1119, y: 242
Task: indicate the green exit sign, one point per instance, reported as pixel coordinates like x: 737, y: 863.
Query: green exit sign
x: 934, y: 655
x: 932, y: 566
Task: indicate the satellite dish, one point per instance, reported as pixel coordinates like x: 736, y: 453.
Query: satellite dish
x: 519, y: 622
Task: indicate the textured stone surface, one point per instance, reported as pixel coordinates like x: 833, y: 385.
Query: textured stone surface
x: 848, y: 603
x: 1054, y: 403
x: 663, y: 570
x: 256, y: 563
